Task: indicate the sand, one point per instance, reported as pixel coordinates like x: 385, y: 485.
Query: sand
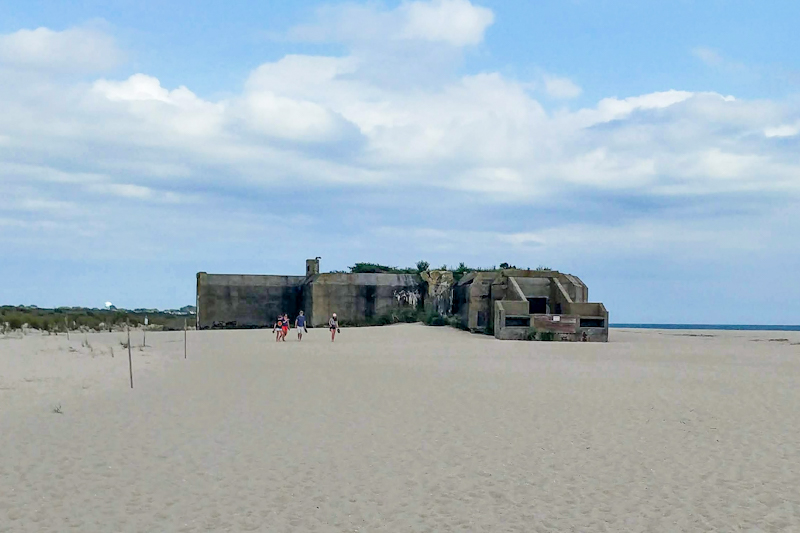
x: 401, y: 428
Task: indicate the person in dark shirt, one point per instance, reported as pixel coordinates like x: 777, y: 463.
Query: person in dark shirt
x: 300, y: 325
x: 285, y: 328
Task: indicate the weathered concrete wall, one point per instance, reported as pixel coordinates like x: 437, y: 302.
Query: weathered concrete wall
x: 510, y: 309
x: 245, y: 301
x: 585, y: 322
x: 534, y: 287
x: 439, y: 293
x: 360, y: 298
x: 574, y: 287
x: 472, y: 300
x: 589, y: 313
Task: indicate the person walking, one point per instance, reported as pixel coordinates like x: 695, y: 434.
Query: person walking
x: 286, y: 325
x: 278, y: 328
x: 300, y: 325
x: 333, y: 324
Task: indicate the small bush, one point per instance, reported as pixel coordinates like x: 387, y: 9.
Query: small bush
x: 432, y: 318
x: 531, y: 335
x: 454, y: 322
x: 383, y: 320
x: 14, y: 322
x: 407, y: 315
x: 547, y: 336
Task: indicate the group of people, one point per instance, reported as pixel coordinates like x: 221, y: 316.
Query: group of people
x: 282, y: 325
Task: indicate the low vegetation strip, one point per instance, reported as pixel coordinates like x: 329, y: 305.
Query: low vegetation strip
x: 64, y: 319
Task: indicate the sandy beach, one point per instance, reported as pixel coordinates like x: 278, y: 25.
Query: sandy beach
x: 401, y: 428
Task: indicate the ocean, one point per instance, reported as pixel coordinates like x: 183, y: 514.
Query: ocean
x: 742, y: 327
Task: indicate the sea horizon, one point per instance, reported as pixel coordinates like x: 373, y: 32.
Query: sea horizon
x: 733, y: 327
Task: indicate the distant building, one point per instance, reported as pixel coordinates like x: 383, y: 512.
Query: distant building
x: 516, y: 304
x: 509, y: 303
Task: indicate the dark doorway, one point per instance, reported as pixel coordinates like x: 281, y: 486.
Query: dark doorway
x: 537, y: 306
x: 369, y: 295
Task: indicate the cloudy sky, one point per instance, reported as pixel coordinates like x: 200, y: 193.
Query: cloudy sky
x: 651, y: 148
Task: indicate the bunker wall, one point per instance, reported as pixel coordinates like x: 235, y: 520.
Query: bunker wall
x: 360, y: 298
x: 245, y: 301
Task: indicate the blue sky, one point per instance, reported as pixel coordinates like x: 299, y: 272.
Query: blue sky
x: 651, y: 148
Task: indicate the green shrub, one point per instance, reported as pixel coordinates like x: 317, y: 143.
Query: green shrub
x: 439, y: 320
x: 455, y: 322
x: 384, y: 320
x: 14, y: 322
x: 408, y: 315
x: 432, y: 318
x: 547, y: 336
x: 531, y: 335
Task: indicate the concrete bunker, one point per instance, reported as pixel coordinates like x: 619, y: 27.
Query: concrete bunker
x: 508, y: 303
x: 518, y: 304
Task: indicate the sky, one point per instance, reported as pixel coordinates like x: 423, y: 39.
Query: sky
x: 651, y: 148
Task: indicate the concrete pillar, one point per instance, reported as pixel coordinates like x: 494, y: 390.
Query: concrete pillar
x: 312, y: 267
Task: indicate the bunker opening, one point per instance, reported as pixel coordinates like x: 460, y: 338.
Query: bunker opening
x: 537, y: 306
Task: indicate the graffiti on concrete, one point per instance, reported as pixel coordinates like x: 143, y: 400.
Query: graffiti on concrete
x: 407, y: 297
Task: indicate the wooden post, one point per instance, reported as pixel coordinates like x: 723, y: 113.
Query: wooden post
x: 144, y: 333
x: 66, y: 325
x: 130, y: 359
x: 184, y: 338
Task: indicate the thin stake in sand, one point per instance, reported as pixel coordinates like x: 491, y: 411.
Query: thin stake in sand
x: 130, y: 360
x: 66, y: 326
x: 184, y: 338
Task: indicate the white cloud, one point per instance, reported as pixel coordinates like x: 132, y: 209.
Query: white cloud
x: 784, y: 130
x: 457, y: 22
x: 561, y: 88
x: 124, y: 190
x: 138, y: 87
x: 74, y: 49
x: 453, y: 22
x: 613, y: 108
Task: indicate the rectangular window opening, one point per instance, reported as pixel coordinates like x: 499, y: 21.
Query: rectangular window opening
x: 518, y: 321
x: 593, y: 323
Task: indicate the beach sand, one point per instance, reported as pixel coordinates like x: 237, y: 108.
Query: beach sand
x: 401, y: 428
